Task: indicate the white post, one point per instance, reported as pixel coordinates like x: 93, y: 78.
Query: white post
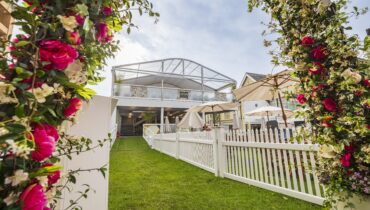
x: 177, y: 145
x: 221, y: 151
x: 215, y: 150
x: 161, y: 130
x: 162, y: 120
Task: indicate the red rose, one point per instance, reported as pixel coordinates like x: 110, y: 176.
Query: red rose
x: 329, y: 104
x: 345, y: 160
x: 349, y: 148
x: 44, y: 138
x: 103, y: 33
x: 80, y: 20
x: 301, y: 99
x: 33, y: 198
x: 316, y: 68
x: 75, y: 104
x: 307, y: 40
x: 29, y: 82
x: 327, y: 122
x: 358, y: 93
x: 57, y: 54
x: 319, y: 52
x: 50, y: 130
x: 107, y: 11
x: 73, y: 38
x: 367, y: 83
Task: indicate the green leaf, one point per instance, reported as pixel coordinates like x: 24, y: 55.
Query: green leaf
x: 82, y: 9
x: 86, y: 93
x: 22, y: 43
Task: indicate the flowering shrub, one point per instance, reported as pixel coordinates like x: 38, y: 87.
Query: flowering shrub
x: 43, y: 74
x: 334, y: 70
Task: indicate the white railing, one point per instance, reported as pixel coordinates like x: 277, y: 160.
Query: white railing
x: 270, y: 159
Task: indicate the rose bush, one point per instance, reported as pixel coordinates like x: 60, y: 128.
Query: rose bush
x: 333, y: 68
x: 44, y: 72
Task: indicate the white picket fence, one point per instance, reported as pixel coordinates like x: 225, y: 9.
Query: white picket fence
x: 263, y: 158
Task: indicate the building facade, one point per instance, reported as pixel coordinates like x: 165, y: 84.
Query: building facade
x: 151, y: 92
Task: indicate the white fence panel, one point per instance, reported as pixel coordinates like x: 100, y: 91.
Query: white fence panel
x: 197, y: 148
x: 274, y: 160
x: 269, y: 159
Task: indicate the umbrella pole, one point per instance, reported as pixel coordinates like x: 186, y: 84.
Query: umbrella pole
x: 282, y: 110
x: 268, y: 116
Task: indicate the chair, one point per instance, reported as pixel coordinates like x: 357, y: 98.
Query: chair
x: 272, y: 124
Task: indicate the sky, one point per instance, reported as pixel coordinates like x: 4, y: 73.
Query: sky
x: 220, y: 34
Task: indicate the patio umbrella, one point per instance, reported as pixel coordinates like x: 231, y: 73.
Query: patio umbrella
x: 214, y: 107
x: 236, y: 121
x: 267, y: 89
x: 268, y: 111
x: 167, y: 126
x: 191, y: 120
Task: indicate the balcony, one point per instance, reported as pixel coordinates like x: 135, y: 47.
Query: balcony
x: 168, y: 94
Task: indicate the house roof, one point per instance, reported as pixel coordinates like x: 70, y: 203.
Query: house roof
x: 254, y: 76
x: 155, y: 80
x: 179, y: 68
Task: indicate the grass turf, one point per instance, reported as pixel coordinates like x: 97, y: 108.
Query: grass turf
x: 141, y: 178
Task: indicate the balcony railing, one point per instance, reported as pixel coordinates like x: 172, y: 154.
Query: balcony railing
x: 166, y: 93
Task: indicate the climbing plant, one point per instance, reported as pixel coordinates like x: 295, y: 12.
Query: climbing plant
x: 44, y: 71
x: 332, y: 66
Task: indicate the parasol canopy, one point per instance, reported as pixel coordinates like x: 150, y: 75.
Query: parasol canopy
x: 191, y: 120
x: 268, y: 89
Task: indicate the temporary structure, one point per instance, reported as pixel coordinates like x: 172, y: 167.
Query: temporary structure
x: 191, y: 120
x: 236, y: 121
x: 268, y: 111
x: 214, y: 107
x: 267, y: 89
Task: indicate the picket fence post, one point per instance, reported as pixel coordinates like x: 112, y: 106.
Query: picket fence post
x: 221, y: 151
x: 215, y: 150
x: 177, y: 145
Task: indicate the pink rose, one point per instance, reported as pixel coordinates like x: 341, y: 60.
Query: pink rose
x: 53, y: 177
x: 80, y: 20
x: 301, y: 99
x: 316, y: 68
x: 50, y: 130
x: 102, y: 34
x: 107, y: 11
x: 329, y: 104
x: 307, y: 40
x: 345, y: 160
x: 319, y: 52
x: 58, y: 54
x: 73, y: 38
x: 74, y: 105
x: 33, y: 198
x: 45, y: 137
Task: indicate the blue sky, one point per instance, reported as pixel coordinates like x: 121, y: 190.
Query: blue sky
x: 220, y: 34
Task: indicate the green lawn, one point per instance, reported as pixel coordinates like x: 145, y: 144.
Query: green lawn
x: 141, y: 178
